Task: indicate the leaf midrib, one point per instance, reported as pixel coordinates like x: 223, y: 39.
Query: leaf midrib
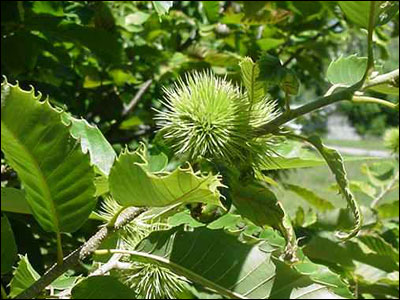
x: 44, y: 184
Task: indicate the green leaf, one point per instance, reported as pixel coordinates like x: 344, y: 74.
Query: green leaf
x: 53, y: 8
x: 217, y: 260
x: 20, y: 51
x: 379, y: 173
x: 8, y: 246
x: 327, y: 249
x: 386, y: 89
x: 137, y: 18
x: 271, y: 69
x: 63, y: 282
x: 347, y: 70
x: 24, y: 276
x: 267, y: 44
x: 14, y: 200
x: 379, y: 246
x: 102, y: 154
x: 363, y: 187
x: 211, y: 9
x: 358, y: 11
x: 132, y: 183
x: 311, y: 197
x: 260, y: 205
x: 336, y: 164
x: 250, y: 72
x: 162, y: 7
x: 294, y: 155
x: 183, y: 218
x: 102, y: 287
x: 57, y: 176
x: 290, y: 84
x: 102, y: 43
x: 388, y: 210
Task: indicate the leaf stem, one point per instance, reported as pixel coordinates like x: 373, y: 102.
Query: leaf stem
x: 371, y: 26
x: 365, y: 99
x: 387, y: 189
x: 60, y: 253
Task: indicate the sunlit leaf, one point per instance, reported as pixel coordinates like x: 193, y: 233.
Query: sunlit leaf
x: 57, y: 176
x: 102, y: 287
x: 347, y: 70
x: 24, y: 276
x: 133, y: 169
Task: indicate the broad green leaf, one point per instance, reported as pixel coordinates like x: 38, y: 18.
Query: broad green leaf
x: 290, y: 84
x: 347, y: 70
x: 271, y: 69
x: 311, y: 197
x: 8, y: 246
x: 56, y: 175
x: 184, y: 218
x: 211, y: 9
x: 388, y: 210
x: 132, y: 183
x: 343, y: 219
x: 162, y: 7
x: 377, y: 245
x: 14, y: 200
x: 102, y: 154
x: 137, y: 18
x: 379, y: 173
x: 294, y: 155
x: 254, y: 88
x: 305, y: 219
x: 102, y: 287
x: 24, y: 276
x: 387, y: 89
x: 336, y: 164
x: 53, y: 8
x: 217, y: 260
x: 358, y: 12
x: 260, y: 205
x: 102, y: 43
x: 362, y: 187
x: 267, y: 44
x: 325, y: 248
x: 20, y: 51
x: 63, y: 282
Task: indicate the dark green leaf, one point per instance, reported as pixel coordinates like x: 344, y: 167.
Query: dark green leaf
x: 14, y: 200
x: 217, y: 260
x: 311, y: 197
x: 57, y: 176
x: 102, y: 287
x: 8, y: 246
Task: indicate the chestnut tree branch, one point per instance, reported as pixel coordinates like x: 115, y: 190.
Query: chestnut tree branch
x: 79, y: 254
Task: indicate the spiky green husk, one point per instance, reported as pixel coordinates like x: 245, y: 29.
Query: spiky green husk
x: 391, y: 139
x: 208, y: 117
x: 154, y: 282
